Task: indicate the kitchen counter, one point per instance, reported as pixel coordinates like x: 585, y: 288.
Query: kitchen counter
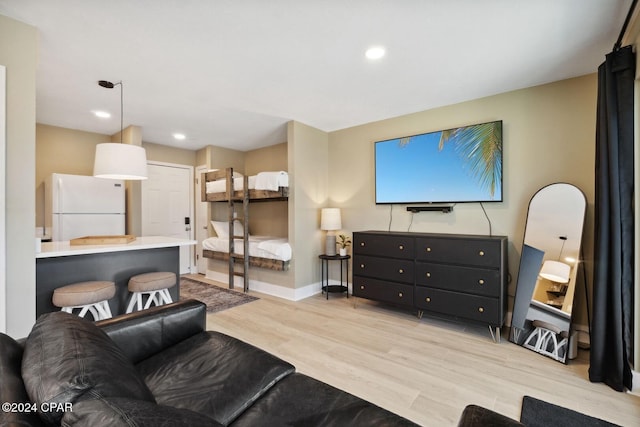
x: 60, y: 263
x: 64, y: 248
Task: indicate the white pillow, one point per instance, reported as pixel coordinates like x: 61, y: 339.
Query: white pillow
x: 222, y: 228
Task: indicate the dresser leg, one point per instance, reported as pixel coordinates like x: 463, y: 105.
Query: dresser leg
x: 420, y: 313
x: 496, y: 335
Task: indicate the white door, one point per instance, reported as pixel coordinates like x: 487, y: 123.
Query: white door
x: 167, y: 206
x: 202, y: 222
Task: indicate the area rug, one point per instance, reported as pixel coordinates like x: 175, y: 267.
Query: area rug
x: 537, y: 413
x: 215, y: 297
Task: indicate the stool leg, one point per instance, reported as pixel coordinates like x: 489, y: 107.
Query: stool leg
x: 132, y: 302
x: 104, y: 312
x: 166, y: 296
x: 93, y: 311
x: 139, y: 301
x: 150, y: 300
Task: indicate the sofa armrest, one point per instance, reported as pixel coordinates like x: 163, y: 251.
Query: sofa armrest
x: 142, y: 334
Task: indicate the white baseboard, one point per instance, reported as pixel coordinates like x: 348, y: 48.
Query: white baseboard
x: 283, y: 292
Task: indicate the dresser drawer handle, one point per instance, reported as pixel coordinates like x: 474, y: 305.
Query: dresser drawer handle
x: 361, y: 243
x: 427, y: 249
x: 400, y: 271
x: 481, y: 282
x: 361, y: 265
x: 401, y: 247
x: 362, y: 287
x: 400, y: 294
x: 428, y: 274
x: 427, y: 299
x: 481, y: 309
x: 481, y: 253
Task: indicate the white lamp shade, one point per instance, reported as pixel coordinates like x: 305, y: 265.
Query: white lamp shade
x: 120, y: 161
x: 555, y: 271
x: 330, y: 219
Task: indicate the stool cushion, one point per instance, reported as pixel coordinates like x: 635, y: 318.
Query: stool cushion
x: 68, y: 359
x: 83, y: 293
x: 152, y: 281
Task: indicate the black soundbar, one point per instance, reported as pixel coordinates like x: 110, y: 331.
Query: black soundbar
x: 430, y: 208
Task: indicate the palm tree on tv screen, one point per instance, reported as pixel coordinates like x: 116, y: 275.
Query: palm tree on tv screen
x: 481, y: 147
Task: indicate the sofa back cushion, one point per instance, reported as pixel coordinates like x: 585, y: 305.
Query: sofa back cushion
x: 12, y: 389
x: 68, y: 359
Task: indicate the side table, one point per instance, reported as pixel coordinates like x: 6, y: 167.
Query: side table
x: 344, y: 266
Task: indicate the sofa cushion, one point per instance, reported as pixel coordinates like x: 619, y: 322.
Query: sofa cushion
x: 299, y: 400
x: 12, y: 389
x: 213, y: 374
x: 118, y: 411
x: 68, y: 358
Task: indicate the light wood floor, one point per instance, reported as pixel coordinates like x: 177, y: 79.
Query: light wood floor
x: 426, y: 370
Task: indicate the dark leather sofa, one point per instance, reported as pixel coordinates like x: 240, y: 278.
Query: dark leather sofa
x: 160, y: 367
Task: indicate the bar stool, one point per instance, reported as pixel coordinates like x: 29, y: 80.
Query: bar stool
x: 544, y: 340
x: 92, y: 297
x: 155, y: 284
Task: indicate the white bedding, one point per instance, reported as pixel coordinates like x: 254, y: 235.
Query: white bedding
x: 259, y: 246
x: 262, y: 181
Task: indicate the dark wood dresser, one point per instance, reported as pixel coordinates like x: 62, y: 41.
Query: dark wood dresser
x: 461, y: 276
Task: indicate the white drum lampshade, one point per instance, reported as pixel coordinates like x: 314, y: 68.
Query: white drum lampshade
x: 555, y: 271
x: 120, y: 161
x: 330, y: 221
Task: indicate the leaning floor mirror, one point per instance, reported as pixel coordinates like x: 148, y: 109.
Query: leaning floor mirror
x: 549, y: 262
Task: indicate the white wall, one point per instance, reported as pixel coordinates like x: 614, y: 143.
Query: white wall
x: 18, y: 53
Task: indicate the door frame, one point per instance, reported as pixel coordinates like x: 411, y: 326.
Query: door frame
x: 192, y: 266
x: 201, y: 221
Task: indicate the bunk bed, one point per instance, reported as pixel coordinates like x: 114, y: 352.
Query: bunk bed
x: 233, y: 240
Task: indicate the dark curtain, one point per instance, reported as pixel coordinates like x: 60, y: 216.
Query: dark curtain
x: 612, y: 325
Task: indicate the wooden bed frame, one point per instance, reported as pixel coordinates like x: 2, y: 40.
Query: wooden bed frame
x: 271, y: 264
x: 230, y: 194
x: 245, y: 196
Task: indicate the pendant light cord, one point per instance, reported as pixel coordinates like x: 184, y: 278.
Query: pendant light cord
x: 121, y: 112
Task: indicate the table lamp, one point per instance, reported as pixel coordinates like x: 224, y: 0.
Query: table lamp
x: 330, y: 221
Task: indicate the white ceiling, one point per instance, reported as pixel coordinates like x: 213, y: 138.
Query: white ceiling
x: 232, y: 73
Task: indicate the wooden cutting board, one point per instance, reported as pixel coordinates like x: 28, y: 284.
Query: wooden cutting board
x: 103, y: 240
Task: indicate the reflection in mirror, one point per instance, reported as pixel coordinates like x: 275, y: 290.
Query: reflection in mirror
x: 545, y: 290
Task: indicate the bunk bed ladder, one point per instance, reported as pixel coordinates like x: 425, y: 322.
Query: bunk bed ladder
x: 237, y: 260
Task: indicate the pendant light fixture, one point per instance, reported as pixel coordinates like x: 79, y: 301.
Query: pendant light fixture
x: 556, y: 271
x: 119, y: 160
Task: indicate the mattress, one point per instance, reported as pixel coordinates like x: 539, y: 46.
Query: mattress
x: 259, y: 246
x: 262, y: 181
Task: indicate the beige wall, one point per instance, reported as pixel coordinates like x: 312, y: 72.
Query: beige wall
x: 549, y: 136
x: 309, y: 191
x: 18, y: 53
x: 268, y: 218
x: 61, y: 150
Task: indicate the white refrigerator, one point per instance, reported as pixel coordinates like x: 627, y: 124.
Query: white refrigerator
x: 78, y: 206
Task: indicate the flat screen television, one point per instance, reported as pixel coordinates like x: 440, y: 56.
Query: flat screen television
x: 449, y: 166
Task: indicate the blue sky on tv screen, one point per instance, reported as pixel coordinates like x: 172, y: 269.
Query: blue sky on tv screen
x: 419, y: 172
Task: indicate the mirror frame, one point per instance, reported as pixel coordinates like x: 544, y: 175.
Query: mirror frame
x: 540, y: 324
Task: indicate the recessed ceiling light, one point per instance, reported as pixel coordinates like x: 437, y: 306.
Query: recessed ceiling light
x: 102, y: 114
x: 375, y: 52
x: 179, y: 136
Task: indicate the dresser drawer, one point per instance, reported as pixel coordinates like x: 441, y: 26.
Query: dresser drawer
x: 384, y: 245
x: 380, y: 290
x: 475, y: 252
x: 396, y: 270
x: 473, y: 307
x: 473, y: 280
